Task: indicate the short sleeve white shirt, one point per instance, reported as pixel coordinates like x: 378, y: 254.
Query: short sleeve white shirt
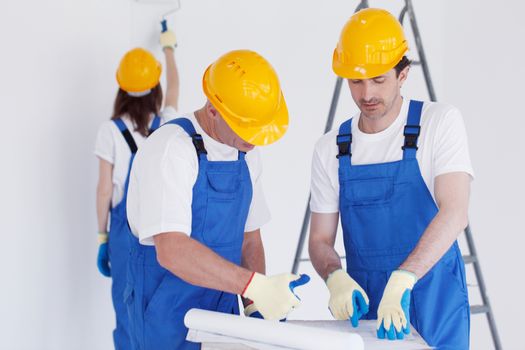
x: 111, y: 146
x: 443, y: 148
x: 164, y: 172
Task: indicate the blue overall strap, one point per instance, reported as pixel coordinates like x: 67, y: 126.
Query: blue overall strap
x: 412, y: 129
x: 190, y: 130
x: 154, y: 124
x: 344, y: 143
x: 127, y: 135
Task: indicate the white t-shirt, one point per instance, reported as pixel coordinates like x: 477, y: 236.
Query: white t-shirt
x: 164, y: 172
x: 443, y: 148
x: 111, y: 146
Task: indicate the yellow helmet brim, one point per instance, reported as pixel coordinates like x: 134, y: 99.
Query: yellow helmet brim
x: 366, y: 70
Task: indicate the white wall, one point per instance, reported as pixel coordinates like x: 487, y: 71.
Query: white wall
x: 57, y: 84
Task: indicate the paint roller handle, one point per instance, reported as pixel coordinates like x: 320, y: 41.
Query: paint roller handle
x: 164, y: 25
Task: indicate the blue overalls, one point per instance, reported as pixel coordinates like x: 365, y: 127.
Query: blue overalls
x: 157, y: 299
x: 385, y: 208
x: 119, y: 246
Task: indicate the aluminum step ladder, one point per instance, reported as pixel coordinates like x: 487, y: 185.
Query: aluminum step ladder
x: 471, y: 257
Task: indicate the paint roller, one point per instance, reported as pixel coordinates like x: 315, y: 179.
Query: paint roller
x: 164, y: 22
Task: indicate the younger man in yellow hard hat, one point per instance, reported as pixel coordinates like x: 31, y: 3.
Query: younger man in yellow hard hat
x: 398, y: 174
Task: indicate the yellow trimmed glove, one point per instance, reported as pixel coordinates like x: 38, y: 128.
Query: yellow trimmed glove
x: 393, y: 313
x: 168, y: 39
x: 347, y: 299
x: 272, y: 296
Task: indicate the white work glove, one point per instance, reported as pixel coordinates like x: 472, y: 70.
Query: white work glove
x: 168, y: 39
x: 251, y: 311
x: 393, y: 313
x: 272, y: 296
x: 347, y: 299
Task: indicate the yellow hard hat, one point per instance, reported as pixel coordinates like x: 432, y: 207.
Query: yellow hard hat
x: 245, y: 90
x: 372, y: 42
x: 138, y: 72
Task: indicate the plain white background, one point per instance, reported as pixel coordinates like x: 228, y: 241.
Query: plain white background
x: 58, y: 60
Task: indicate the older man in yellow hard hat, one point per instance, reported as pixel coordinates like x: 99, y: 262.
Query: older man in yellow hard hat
x: 196, y: 205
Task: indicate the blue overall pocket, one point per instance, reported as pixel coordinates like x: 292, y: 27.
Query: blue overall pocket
x: 222, y: 209
x: 368, y: 191
x: 222, y: 186
x: 373, y: 223
x: 136, y: 318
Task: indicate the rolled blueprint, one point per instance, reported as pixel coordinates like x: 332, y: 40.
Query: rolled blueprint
x: 271, y: 332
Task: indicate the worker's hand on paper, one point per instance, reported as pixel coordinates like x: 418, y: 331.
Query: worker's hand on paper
x: 251, y: 311
x: 103, y: 260
x: 393, y: 313
x: 168, y: 39
x: 273, y: 296
x: 347, y: 299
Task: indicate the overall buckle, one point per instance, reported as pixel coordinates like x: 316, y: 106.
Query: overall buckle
x: 343, y: 143
x: 411, y: 133
x: 199, y: 144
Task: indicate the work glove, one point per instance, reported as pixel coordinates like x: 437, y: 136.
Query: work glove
x: 393, y: 313
x: 103, y: 255
x: 168, y: 40
x: 273, y: 296
x: 251, y: 311
x: 347, y: 299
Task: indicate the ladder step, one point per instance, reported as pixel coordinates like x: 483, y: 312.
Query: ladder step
x: 469, y: 259
x: 479, y: 309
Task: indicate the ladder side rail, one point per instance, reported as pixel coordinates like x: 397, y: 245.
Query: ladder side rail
x: 482, y: 288
x: 420, y: 50
x: 306, y: 218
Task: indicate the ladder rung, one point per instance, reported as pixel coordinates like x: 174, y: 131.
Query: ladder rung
x: 469, y: 259
x: 479, y: 309
x: 308, y: 259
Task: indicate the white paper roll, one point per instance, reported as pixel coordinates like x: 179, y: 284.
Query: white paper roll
x: 271, y: 332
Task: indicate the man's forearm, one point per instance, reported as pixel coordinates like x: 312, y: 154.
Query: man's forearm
x: 323, y: 229
x: 452, y: 196
x: 197, y: 264
x: 442, y: 232
x: 253, y: 252
x: 324, y: 258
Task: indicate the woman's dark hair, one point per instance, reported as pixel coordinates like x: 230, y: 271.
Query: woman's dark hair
x: 405, y: 62
x: 138, y: 109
